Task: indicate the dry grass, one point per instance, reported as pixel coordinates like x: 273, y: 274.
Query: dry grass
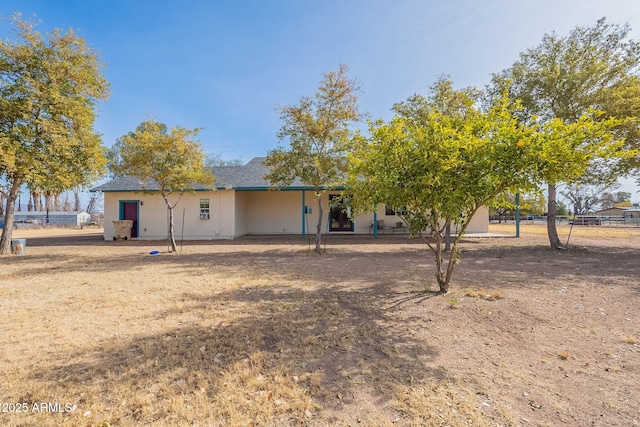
x: 600, y: 232
x: 263, y: 332
x: 483, y: 294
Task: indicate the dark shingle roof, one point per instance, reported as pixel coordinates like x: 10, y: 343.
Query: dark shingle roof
x: 245, y: 177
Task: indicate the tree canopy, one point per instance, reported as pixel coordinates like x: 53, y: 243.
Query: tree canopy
x: 532, y: 202
x: 49, y: 88
x: 561, y: 83
x: 170, y: 158
x: 318, y: 132
x: 439, y: 160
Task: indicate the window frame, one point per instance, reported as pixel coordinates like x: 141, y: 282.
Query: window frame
x: 205, y: 209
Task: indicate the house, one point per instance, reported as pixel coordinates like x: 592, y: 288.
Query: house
x: 242, y: 203
x: 621, y: 215
x: 630, y: 212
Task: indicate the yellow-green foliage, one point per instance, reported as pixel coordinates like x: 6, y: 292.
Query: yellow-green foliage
x: 170, y: 160
x: 441, y: 158
x: 49, y: 88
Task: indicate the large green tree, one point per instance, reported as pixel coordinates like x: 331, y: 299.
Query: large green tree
x: 318, y: 132
x: 49, y: 88
x: 565, y: 78
x: 440, y: 159
x: 168, y: 161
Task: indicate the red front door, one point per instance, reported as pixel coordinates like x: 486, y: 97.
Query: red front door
x: 130, y: 211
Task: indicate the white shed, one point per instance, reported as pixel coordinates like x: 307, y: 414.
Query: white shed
x: 77, y: 219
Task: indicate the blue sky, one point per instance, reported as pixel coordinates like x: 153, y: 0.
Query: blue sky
x: 225, y: 66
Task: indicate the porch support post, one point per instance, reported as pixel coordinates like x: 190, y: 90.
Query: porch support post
x: 304, y: 213
x: 375, y: 223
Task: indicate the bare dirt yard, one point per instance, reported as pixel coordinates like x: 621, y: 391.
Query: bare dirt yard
x: 263, y: 332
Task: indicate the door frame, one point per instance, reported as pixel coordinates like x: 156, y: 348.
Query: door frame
x: 121, y: 213
x: 343, y: 212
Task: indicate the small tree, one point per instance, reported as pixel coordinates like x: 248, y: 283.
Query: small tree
x: 170, y: 162
x: 317, y: 130
x: 49, y: 88
x: 441, y: 159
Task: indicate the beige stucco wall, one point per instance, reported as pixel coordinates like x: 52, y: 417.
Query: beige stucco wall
x: 273, y: 212
x: 478, y: 224
x: 480, y: 221
x: 153, y: 216
x: 236, y: 213
x: 241, y: 213
x: 280, y: 212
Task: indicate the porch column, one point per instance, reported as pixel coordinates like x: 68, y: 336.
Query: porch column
x: 304, y: 213
x: 375, y: 223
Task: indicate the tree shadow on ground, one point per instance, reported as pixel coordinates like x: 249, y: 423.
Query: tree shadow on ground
x: 508, y: 265
x: 519, y: 266
x: 328, y: 345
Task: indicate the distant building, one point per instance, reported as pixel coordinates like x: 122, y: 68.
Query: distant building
x: 69, y: 219
x: 625, y: 215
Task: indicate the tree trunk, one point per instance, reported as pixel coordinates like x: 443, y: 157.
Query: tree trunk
x: 37, y: 203
x: 441, y: 276
x: 5, y: 239
x: 58, y: 203
x: 76, y: 204
x: 554, y: 240
x: 172, y: 239
x: 319, y: 226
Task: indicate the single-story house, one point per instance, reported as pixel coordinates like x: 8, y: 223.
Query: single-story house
x: 242, y: 203
x: 621, y: 215
x: 624, y: 212
x: 56, y: 218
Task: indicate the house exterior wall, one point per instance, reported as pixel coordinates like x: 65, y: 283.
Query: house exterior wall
x: 241, y: 213
x: 619, y: 212
x: 153, y: 215
x: 479, y: 222
x: 280, y: 212
x: 273, y: 212
x: 235, y: 213
x: 610, y: 212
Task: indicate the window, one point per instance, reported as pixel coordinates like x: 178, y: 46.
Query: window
x: 391, y: 211
x: 204, y: 208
